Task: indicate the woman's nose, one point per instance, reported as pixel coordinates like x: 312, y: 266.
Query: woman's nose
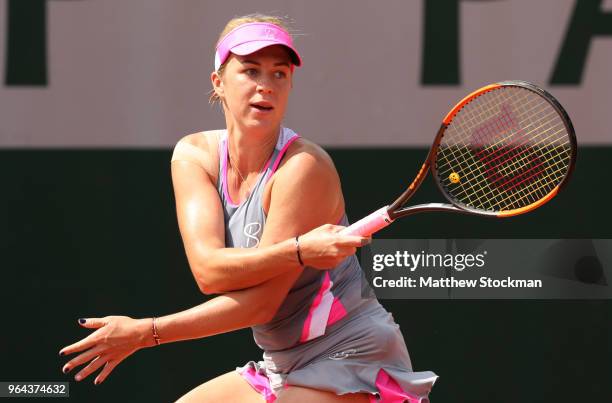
x: 264, y: 87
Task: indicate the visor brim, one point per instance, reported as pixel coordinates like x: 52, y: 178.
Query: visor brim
x: 253, y: 46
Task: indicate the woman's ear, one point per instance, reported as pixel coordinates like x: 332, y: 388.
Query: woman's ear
x: 217, y: 83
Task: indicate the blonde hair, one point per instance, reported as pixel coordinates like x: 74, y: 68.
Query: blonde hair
x: 238, y: 21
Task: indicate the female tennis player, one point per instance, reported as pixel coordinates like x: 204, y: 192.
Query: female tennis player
x: 244, y: 195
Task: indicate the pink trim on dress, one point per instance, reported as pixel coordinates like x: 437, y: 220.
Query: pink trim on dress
x: 336, y: 312
x: 258, y: 382
x: 265, y: 168
x: 224, y: 168
x: 267, y: 164
x: 391, y: 392
x: 282, y: 152
x: 318, y: 315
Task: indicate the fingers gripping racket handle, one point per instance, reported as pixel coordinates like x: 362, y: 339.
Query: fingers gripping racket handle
x: 370, y: 224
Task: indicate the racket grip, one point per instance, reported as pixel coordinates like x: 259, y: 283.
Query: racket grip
x: 369, y: 224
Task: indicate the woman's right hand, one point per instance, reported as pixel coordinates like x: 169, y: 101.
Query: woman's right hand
x: 324, y: 247
x: 116, y: 338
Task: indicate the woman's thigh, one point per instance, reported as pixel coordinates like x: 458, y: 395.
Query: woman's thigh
x: 297, y: 394
x: 227, y: 388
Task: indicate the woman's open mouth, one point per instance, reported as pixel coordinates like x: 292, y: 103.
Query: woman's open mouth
x: 262, y: 107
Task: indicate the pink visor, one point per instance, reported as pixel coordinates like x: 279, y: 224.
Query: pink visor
x: 249, y: 38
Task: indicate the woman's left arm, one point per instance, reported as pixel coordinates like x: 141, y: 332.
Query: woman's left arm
x: 306, y: 194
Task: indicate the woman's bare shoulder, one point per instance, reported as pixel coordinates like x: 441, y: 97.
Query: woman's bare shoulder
x: 200, y: 148
x: 308, y: 166
x: 305, y: 152
x: 205, y: 140
x: 308, y: 163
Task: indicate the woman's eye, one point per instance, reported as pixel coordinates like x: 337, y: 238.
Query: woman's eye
x: 280, y: 74
x: 251, y: 72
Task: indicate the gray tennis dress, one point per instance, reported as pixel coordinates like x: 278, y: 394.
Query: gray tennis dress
x: 327, y: 334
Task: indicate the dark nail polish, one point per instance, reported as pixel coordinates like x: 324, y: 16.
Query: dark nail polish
x: 61, y: 353
x: 66, y: 370
x: 95, y: 382
x: 81, y: 321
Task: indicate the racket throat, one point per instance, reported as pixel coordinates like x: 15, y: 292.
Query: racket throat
x: 427, y: 208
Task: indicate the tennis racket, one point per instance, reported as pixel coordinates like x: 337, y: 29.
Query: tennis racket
x: 505, y: 149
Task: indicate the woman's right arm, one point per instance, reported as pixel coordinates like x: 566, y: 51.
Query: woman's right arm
x: 117, y: 337
x: 218, y: 269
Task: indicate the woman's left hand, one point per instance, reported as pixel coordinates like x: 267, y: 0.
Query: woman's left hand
x: 116, y: 338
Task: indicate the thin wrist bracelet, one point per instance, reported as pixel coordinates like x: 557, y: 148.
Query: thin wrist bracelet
x: 297, y: 250
x: 155, y: 334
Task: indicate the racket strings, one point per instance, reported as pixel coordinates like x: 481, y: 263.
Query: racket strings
x: 475, y: 163
x: 530, y: 162
x: 513, y: 182
x: 542, y: 191
x: 508, y: 149
x: 471, y: 188
x: 514, y: 164
x: 553, y: 170
x: 509, y: 179
x: 499, y: 150
x: 480, y: 199
x: 488, y: 198
x: 501, y: 139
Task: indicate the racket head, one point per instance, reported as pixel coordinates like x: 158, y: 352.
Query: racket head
x: 505, y: 149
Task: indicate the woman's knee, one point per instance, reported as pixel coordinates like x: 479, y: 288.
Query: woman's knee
x: 227, y: 388
x: 297, y: 394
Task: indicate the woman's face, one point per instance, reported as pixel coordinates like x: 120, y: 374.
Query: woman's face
x: 255, y: 88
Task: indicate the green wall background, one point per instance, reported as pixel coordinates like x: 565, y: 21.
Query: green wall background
x: 89, y: 233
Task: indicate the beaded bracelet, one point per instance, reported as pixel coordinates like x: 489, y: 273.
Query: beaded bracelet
x: 155, y: 334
